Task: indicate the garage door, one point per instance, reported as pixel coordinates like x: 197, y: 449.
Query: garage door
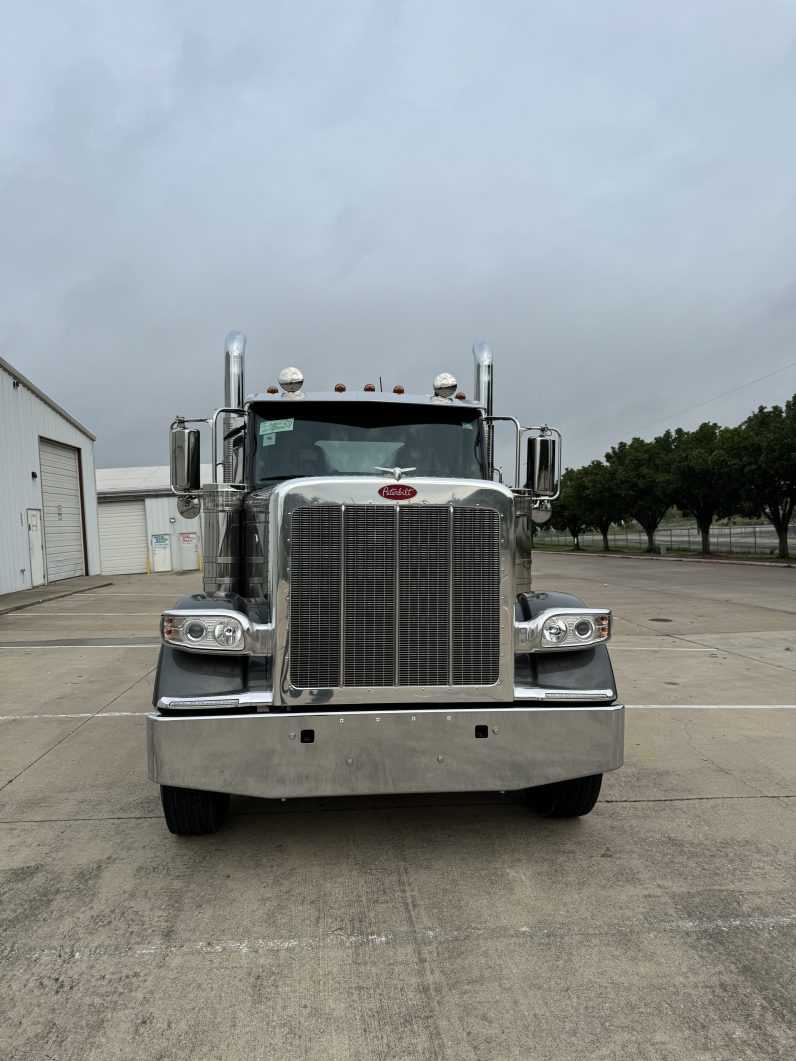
x: 63, y: 517
x: 122, y: 531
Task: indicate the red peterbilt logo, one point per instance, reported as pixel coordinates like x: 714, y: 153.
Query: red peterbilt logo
x: 398, y: 493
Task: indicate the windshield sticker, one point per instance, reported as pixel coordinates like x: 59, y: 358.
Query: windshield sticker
x: 268, y: 427
x: 467, y: 425
x: 268, y: 440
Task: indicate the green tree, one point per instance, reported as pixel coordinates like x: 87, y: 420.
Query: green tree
x: 569, y: 512
x: 762, y: 454
x: 645, y: 480
x: 706, y: 487
x: 602, y: 499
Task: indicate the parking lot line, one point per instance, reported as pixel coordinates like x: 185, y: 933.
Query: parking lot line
x: 629, y: 707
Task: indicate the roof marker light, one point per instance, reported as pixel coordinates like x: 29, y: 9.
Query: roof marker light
x: 369, y: 388
x: 273, y: 390
x: 398, y: 389
x: 339, y: 387
x: 460, y: 396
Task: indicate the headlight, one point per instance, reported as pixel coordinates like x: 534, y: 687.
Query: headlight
x: 228, y: 633
x: 554, y: 631
x: 204, y: 632
x: 564, y: 629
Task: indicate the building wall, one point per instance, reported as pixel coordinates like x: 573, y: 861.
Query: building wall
x: 160, y: 511
x: 24, y: 418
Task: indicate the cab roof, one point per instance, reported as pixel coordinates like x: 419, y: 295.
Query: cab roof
x: 372, y: 397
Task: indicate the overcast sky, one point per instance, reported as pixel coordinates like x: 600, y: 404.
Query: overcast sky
x: 605, y: 190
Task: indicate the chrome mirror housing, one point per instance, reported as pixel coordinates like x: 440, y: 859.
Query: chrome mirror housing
x: 543, y: 465
x: 185, y: 473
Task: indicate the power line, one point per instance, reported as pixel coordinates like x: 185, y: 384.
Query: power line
x: 699, y: 405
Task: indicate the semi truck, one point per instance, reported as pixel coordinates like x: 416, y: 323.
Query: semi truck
x: 368, y: 623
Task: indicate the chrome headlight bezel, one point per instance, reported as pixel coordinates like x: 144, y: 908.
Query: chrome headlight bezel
x: 578, y: 628
x: 215, y: 630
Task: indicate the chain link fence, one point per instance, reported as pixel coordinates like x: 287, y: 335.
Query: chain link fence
x: 755, y: 539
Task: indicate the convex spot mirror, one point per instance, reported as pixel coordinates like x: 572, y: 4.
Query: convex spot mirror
x: 542, y: 466
x: 185, y: 460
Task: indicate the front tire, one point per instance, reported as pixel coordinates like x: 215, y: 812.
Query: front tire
x: 566, y: 799
x: 192, y: 811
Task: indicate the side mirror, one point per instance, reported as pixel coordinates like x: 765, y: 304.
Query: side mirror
x: 185, y: 475
x: 542, y: 470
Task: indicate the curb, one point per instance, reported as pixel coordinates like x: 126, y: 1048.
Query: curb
x: 4, y: 610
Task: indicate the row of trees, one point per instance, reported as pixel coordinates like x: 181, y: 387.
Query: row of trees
x: 710, y: 473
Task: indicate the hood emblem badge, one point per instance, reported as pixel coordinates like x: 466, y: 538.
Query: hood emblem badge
x: 397, y: 493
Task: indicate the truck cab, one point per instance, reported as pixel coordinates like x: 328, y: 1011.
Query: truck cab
x: 367, y: 622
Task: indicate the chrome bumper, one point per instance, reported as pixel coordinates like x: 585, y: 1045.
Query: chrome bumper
x: 370, y: 752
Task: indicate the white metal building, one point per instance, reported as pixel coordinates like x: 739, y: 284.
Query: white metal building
x: 48, y: 502
x: 139, y: 525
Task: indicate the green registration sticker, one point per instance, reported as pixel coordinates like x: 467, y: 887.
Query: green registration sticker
x: 268, y: 427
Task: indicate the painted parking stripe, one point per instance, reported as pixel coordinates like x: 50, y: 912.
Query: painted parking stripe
x: 711, y: 707
x: 75, y: 714
x: 629, y: 707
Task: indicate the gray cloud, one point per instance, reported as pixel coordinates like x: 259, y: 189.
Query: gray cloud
x: 604, y: 191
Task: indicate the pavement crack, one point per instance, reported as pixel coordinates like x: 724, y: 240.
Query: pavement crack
x: 71, y: 732
x: 687, y: 725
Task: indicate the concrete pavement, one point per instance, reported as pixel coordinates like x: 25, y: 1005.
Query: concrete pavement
x: 662, y: 926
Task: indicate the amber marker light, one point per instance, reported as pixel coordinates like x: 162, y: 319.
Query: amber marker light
x: 369, y: 388
x: 273, y: 390
x: 398, y: 390
x: 460, y: 397
x: 339, y: 387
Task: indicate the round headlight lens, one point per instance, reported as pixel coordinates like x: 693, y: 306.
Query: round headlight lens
x: 554, y: 630
x: 584, y: 629
x: 195, y: 630
x: 228, y: 633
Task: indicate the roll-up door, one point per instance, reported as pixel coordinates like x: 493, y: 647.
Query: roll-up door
x: 63, y: 515
x: 123, y: 541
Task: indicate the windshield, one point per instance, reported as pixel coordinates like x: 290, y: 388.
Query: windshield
x: 356, y: 439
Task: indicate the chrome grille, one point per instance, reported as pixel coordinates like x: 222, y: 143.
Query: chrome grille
x: 386, y: 595
x: 476, y: 617
x: 424, y: 596
x: 315, y: 594
x: 369, y: 595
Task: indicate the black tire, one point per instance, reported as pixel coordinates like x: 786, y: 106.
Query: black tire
x: 192, y: 811
x: 566, y: 799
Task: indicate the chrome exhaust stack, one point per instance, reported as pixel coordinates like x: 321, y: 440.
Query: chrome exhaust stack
x: 483, y: 395
x: 234, y: 392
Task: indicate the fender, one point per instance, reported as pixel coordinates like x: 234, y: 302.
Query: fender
x: 586, y: 668
x: 193, y: 674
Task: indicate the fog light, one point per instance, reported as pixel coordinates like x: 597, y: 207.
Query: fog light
x: 228, y: 633
x: 554, y: 630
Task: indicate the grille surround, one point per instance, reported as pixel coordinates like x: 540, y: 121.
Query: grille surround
x: 394, y: 596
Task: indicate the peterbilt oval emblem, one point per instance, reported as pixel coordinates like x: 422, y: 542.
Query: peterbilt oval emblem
x: 398, y: 492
